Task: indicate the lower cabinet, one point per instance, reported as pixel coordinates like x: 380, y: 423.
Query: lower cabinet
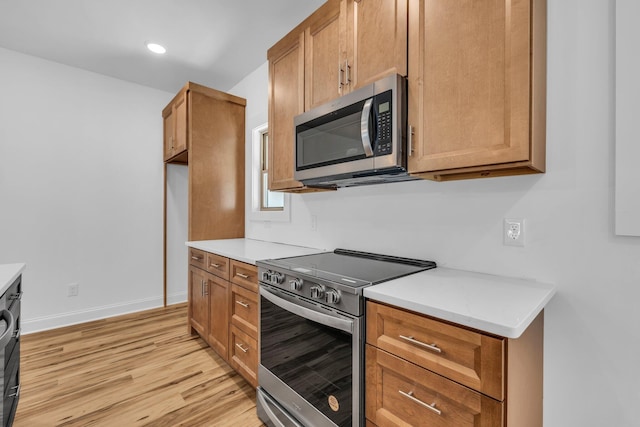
x: 424, y: 372
x: 223, y: 309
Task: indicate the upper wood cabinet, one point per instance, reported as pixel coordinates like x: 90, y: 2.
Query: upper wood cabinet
x: 376, y: 44
x: 477, y: 88
x: 344, y: 45
x: 211, y: 124
x: 175, y: 129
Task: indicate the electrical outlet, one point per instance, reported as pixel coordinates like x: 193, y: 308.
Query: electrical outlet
x: 314, y: 222
x: 73, y: 290
x: 513, y: 232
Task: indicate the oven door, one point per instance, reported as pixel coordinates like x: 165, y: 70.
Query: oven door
x: 310, y: 359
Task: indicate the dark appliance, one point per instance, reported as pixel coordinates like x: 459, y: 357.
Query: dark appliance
x: 357, y: 139
x: 311, y: 370
x: 10, y: 350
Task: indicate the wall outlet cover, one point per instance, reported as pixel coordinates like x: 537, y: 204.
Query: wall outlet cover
x: 513, y: 232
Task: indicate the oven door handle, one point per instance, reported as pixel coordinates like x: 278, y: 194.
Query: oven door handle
x: 307, y: 313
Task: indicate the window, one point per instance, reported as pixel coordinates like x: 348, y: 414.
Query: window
x: 269, y: 200
x: 265, y: 205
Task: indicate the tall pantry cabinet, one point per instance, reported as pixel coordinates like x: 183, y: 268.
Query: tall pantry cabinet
x: 204, y: 129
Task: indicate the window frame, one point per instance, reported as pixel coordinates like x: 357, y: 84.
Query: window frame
x: 255, y: 212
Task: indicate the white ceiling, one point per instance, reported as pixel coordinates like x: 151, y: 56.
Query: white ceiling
x: 211, y: 42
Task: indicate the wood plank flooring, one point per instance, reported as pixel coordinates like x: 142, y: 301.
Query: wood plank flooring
x: 142, y: 369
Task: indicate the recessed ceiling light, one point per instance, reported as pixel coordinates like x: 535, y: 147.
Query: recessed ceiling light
x: 156, y: 48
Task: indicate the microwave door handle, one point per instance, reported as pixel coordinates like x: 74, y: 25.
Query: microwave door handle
x: 364, y: 127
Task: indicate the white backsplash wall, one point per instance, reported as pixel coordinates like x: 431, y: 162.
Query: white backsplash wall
x: 80, y: 190
x: 592, y: 343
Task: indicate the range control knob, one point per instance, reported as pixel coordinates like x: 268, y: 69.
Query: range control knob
x: 266, y: 276
x: 317, y: 291
x: 277, y: 278
x: 295, y: 284
x: 332, y: 296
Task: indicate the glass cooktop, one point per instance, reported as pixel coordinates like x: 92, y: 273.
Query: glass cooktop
x: 351, y: 268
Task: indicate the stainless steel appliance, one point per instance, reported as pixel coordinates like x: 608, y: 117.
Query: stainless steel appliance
x: 311, y: 369
x: 356, y: 139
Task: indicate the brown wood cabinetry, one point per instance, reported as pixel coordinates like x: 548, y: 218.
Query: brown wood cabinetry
x: 175, y: 129
x: 204, y: 130
x: 424, y: 372
x: 223, y: 309
x: 344, y: 45
x: 198, y: 301
x: 477, y: 88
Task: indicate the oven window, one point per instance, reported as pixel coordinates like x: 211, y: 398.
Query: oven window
x: 312, y: 359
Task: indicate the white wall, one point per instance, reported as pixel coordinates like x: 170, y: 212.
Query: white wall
x: 592, y: 343
x: 80, y: 190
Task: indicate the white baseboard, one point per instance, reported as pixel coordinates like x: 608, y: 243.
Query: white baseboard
x: 176, y: 298
x: 74, y: 317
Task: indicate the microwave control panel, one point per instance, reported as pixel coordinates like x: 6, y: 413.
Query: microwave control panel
x: 384, y: 124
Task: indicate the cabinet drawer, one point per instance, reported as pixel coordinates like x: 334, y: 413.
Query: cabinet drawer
x: 244, y: 354
x: 401, y: 393
x: 218, y: 265
x: 197, y: 258
x: 245, y: 275
x: 244, y: 310
x: 469, y: 358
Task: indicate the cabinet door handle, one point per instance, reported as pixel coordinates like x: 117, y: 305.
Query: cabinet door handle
x: 214, y: 265
x: 410, y: 141
x: 244, y: 304
x: 197, y: 258
x: 244, y: 276
x: 347, y: 71
x: 432, y: 347
x: 431, y: 407
x: 241, y: 347
x: 340, y: 84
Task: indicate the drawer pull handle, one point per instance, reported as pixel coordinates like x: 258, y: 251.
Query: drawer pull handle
x: 244, y: 350
x: 432, y: 347
x: 17, y: 296
x: 196, y: 258
x: 244, y: 276
x: 17, y: 389
x: 244, y: 304
x: 215, y: 265
x: 420, y: 402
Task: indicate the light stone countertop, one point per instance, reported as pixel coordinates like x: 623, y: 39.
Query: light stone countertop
x: 250, y: 250
x: 498, y: 305
x: 8, y: 274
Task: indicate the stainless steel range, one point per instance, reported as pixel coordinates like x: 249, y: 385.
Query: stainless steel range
x: 311, y: 370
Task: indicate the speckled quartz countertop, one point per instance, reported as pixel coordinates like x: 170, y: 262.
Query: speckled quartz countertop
x: 249, y: 250
x: 498, y: 305
x: 9, y: 273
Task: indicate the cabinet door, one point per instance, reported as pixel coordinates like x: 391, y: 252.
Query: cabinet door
x: 198, y: 301
x: 168, y: 133
x: 469, y: 83
x: 286, y: 100
x: 218, y: 336
x: 324, y: 44
x: 377, y: 40
x: 180, y: 113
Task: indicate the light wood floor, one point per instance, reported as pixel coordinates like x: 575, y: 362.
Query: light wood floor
x: 142, y: 369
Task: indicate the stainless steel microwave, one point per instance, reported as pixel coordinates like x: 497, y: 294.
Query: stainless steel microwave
x: 359, y: 138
